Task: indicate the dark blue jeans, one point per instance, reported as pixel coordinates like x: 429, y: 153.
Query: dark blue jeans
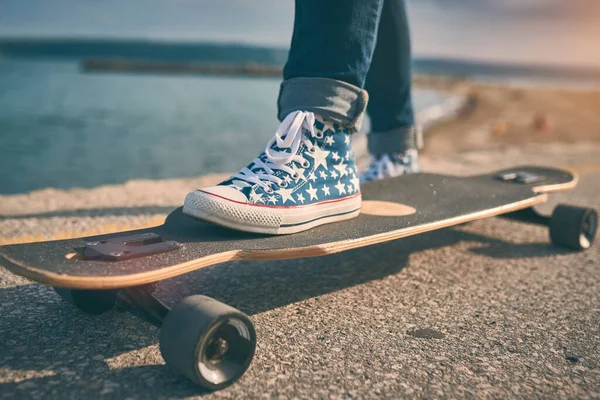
x: 339, y: 49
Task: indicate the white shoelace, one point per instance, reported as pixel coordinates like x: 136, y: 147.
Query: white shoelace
x: 289, y: 135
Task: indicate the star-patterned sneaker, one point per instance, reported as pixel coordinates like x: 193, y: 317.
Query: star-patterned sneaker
x: 391, y: 165
x: 305, y: 177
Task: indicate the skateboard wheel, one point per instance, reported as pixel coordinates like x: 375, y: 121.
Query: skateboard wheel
x: 207, y: 341
x: 89, y: 301
x: 573, y: 227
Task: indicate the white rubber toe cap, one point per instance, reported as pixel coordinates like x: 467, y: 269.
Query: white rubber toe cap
x: 228, y: 207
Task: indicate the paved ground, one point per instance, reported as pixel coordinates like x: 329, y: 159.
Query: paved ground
x: 487, y: 309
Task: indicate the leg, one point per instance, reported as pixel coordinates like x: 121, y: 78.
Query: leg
x: 393, y: 135
x: 333, y: 39
x: 306, y: 175
x: 332, y: 46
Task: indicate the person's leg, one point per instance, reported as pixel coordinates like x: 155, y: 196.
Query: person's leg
x: 331, y: 50
x: 394, y: 140
x: 306, y: 176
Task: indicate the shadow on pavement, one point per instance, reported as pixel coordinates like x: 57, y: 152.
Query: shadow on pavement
x: 498, y: 249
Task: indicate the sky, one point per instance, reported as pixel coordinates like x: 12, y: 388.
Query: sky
x: 558, y: 32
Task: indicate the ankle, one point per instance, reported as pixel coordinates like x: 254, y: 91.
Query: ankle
x: 395, y: 141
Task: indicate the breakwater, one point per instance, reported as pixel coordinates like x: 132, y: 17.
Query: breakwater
x: 245, y: 69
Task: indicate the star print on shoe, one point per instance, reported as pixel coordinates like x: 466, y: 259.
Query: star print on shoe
x: 391, y: 165
x: 305, y: 177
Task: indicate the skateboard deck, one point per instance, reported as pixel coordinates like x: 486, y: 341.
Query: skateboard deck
x: 392, y: 209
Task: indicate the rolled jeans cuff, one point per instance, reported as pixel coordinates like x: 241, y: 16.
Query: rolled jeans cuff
x: 334, y: 100
x: 396, y: 140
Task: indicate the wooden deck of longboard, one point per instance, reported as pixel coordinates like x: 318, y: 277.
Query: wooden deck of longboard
x: 438, y: 201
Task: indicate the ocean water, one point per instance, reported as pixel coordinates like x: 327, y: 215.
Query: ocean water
x: 62, y: 128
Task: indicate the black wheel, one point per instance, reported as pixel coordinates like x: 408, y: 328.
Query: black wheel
x: 209, y: 342
x: 573, y: 227
x: 89, y: 301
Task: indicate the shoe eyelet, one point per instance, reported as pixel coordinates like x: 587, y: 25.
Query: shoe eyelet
x: 312, y: 150
x: 296, y: 175
x: 305, y: 164
x: 319, y: 135
x: 269, y: 191
x: 283, y: 184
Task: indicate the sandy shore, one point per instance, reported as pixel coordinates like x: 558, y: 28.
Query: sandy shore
x: 506, y: 116
x: 499, y: 131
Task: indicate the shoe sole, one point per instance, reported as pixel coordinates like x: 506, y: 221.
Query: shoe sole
x: 269, y: 219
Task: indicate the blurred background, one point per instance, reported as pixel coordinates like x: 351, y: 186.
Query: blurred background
x: 103, y: 92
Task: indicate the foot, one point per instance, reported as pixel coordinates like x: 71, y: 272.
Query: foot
x: 391, y: 165
x: 305, y: 177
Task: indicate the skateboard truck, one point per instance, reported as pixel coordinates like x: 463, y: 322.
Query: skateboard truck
x: 127, y: 247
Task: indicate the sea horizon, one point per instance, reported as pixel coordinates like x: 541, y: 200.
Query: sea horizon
x: 232, y: 52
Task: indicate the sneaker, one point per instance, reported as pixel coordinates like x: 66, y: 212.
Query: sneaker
x: 391, y: 165
x: 305, y: 177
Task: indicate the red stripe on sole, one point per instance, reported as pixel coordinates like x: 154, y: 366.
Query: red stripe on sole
x: 268, y: 206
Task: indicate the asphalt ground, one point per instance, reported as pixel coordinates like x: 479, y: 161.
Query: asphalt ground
x: 484, y: 310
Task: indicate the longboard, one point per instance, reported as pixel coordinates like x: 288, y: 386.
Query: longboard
x: 211, y: 343
x: 392, y: 209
